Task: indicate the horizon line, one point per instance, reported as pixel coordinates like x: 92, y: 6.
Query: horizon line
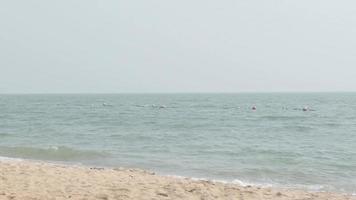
x: 117, y: 93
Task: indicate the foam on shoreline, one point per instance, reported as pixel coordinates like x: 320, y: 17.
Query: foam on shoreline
x: 307, y: 188
x: 22, y: 179
x: 3, y: 158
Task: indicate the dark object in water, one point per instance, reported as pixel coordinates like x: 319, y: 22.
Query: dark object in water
x: 304, y: 109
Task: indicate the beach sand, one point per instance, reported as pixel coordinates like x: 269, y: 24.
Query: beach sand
x: 39, y: 180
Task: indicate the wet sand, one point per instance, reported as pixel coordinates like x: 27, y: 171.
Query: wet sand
x: 40, y: 180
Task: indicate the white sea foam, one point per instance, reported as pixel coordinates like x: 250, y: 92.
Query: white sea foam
x: 2, y: 158
x: 312, y: 188
x: 54, y: 148
x: 235, y: 181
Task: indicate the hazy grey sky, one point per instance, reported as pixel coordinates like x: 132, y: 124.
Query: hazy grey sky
x: 177, y: 46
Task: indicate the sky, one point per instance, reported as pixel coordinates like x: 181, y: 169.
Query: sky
x: 159, y: 46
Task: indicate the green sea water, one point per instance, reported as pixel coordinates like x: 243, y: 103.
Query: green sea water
x: 210, y: 136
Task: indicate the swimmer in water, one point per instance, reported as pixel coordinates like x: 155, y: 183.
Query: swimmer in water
x: 254, y: 108
x: 305, y: 109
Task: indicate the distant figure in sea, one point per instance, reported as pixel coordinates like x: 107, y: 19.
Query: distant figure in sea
x: 254, y: 108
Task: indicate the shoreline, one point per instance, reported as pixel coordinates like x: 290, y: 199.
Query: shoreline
x: 23, y: 179
x: 306, y: 188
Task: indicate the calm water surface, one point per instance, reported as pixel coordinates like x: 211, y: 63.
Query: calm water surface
x: 214, y: 136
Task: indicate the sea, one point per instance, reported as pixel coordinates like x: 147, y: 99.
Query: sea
x: 293, y: 140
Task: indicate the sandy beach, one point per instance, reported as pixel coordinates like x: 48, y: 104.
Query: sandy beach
x: 40, y: 180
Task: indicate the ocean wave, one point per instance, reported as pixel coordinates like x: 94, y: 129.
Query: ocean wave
x: 60, y: 153
x: 305, y: 187
x: 281, y: 117
x: 5, y: 134
x: 300, y: 128
x: 9, y: 159
x: 312, y: 188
